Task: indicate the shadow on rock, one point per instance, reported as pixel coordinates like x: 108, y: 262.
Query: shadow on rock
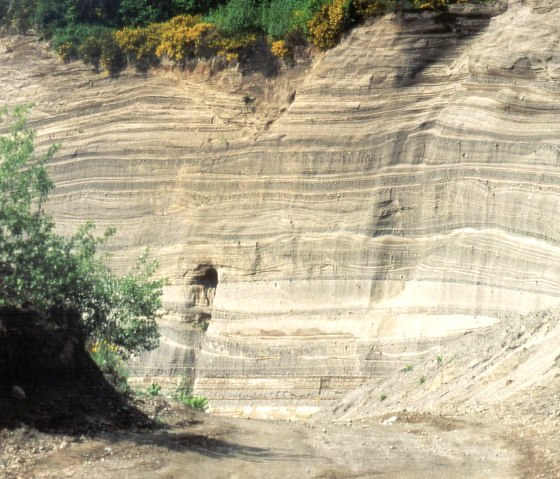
x: 442, y: 35
x: 49, y: 382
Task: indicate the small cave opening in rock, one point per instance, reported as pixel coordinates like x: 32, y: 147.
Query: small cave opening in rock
x: 204, y: 281
x: 206, y: 276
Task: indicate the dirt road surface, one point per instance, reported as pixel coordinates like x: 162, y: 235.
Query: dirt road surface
x: 215, y: 447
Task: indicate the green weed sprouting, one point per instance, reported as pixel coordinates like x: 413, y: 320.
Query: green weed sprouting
x: 184, y: 395
x: 153, y: 389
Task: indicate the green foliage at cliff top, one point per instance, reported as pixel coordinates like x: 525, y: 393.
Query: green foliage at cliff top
x: 272, y: 17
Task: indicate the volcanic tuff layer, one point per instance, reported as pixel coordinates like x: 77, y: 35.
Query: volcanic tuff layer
x: 407, y: 188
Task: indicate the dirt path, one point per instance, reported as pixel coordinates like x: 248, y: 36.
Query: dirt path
x: 408, y: 447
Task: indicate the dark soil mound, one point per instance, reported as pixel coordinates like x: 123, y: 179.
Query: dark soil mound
x: 64, y: 389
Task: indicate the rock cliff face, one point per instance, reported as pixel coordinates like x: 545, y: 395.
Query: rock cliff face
x: 402, y: 188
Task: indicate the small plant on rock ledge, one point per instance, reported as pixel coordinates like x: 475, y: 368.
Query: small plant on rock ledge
x: 154, y: 389
x: 184, y: 395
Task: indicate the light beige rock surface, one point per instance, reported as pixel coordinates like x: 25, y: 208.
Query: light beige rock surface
x: 404, y: 187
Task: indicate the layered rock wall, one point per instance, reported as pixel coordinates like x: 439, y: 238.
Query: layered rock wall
x: 401, y: 188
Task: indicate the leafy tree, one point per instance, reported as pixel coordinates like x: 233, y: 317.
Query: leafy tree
x: 4, y: 5
x: 44, y: 270
x: 52, y: 14
x: 139, y: 13
x: 104, y: 12
x: 237, y: 16
x: 17, y: 13
x: 193, y: 7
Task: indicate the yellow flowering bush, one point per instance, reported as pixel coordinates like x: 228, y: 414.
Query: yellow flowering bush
x: 368, y: 8
x: 280, y: 49
x: 185, y: 37
x: 102, y: 345
x: 328, y: 24
x: 140, y: 45
x: 429, y: 4
x: 66, y: 51
x: 182, y: 38
x: 229, y: 47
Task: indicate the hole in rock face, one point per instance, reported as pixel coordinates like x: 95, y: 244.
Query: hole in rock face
x: 206, y: 278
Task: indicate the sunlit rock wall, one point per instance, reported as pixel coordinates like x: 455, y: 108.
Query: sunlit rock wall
x: 402, y: 187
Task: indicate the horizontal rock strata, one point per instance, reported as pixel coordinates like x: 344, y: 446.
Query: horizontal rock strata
x: 404, y: 187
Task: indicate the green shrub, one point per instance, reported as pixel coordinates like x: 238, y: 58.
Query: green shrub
x: 237, y: 17
x: 90, y: 52
x: 199, y: 403
x: 43, y: 270
x: 277, y: 17
x: 141, y: 13
x: 68, y: 41
x: 153, y: 389
x: 113, y: 58
x: 280, y: 17
x: 94, y: 44
x: 184, y: 395
x: 228, y: 27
